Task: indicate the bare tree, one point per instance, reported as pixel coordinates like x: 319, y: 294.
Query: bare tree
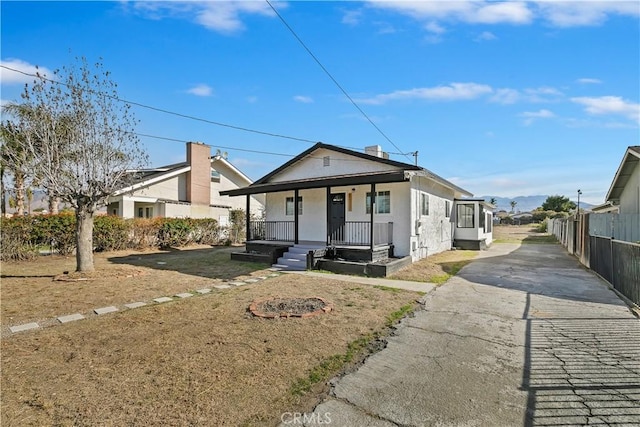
x: 81, y: 143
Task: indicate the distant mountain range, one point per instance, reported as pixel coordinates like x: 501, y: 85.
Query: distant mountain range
x: 524, y: 203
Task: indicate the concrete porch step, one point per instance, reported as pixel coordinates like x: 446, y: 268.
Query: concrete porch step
x: 286, y: 267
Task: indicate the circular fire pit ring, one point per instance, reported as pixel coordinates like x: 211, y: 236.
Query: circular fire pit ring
x: 274, y: 307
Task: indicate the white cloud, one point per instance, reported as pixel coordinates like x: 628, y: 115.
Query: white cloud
x: 201, y: 90
x: 556, y: 13
x: 303, y: 99
x: 12, y: 77
x: 451, y: 92
x: 434, y: 27
x: 506, y: 96
x: 478, y: 12
x: 610, y: 105
x: 485, y: 36
x: 587, y: 81
x: 531, y: 116
x: 584, y: 13
x: 351, y: 17
x: 221, y: 16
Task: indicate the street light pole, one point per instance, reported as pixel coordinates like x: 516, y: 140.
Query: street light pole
x: 579, y: 193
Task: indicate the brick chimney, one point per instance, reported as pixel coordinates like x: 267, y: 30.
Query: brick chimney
x: 199, y: 178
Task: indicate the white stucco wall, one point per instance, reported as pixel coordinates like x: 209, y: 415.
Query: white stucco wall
x: 339, y: 164
x: 430, y: 233
x: 630, y: 196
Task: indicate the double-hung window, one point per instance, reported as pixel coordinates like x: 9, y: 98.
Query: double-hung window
x: 383, y: 202
x: 424, y: 204
x: 289, y: 208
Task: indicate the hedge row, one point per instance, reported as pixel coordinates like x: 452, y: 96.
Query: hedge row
x: 23, y: 236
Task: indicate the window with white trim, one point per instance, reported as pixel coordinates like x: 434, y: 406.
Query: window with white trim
x: 447, y: 209
x: 424, y: 204
x: 464, y: 216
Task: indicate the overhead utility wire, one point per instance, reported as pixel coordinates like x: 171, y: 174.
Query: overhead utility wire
x: 187, y: 117
x: 334, y: 80
x: 170, y: 112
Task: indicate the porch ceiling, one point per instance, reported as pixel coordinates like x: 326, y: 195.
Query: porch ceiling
x: 332, y: 181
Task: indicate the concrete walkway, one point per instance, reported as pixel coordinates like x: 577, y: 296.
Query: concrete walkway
x: 523, y: 336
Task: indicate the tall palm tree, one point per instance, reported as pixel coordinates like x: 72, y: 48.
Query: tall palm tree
x: 513, y: 204
x: 14, y: 159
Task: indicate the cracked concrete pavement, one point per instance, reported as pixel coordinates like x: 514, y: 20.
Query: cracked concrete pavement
x: 523, y: 336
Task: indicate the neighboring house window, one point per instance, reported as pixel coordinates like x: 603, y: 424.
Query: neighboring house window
x: 145, y: 212
x: 464, y: 217
x: 447, y: 209
x: 289, y: 206
x: 383, y: 202
x: 215, y: 175
x: 424, y: 204
x: 326, y: 161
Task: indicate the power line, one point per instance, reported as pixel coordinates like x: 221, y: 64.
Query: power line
x: 161, y: 110
x: 333, y: 79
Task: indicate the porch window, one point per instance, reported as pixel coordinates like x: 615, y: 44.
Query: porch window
x: 424, y: 204
x: 447, y: 209
x: 464, y: 217
x: 383, y: 202
x: 145, y: 212
x: 288, y: 210
x: 482, y: 218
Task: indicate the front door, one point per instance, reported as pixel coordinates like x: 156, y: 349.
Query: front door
x: 336, y: 223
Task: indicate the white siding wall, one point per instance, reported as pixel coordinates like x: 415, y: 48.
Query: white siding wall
x: 630, y: 197
x: 168, y: 189
x: 339, y: 164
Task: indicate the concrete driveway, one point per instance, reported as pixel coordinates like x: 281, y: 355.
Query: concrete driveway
x: 524, y: 336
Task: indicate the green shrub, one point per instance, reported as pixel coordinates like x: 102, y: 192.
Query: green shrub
x: 58, y: 231
x: 16, y: 243
x: 110, y: 233
x: 206, y: 231
x: 175, y: 232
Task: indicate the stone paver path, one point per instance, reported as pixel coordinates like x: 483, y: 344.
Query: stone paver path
x: 31, y: 326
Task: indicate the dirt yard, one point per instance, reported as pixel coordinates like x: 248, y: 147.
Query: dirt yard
x: 199, y: 361
x: 437, y: 268
x: 521, y: 234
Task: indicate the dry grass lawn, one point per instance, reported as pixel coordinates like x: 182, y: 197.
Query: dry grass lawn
x: 200, y: 361
x: 29, y: 292
x: 521, y: 234
x: 437, y: 268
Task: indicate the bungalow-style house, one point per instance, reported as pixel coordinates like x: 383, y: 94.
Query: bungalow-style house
x: 187, y: 189
x: 332, y: 202
x: 625, y: 188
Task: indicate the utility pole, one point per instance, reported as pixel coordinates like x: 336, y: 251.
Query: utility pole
x: 415, y: 156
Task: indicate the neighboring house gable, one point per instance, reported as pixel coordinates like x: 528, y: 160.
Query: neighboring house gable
x: 188, y: 189
x: 625, y: 188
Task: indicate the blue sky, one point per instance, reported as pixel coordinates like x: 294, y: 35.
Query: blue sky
x: 502, y: 98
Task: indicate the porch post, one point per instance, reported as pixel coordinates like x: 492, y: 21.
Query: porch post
x: 328, y: 216
x: 372, y: 205
x: 296, y: 222
x: 248, y: 218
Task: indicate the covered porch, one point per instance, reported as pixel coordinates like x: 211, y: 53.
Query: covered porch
x: 342, y: 211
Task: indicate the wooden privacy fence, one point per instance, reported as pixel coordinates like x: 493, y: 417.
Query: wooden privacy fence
x: 594, y: 240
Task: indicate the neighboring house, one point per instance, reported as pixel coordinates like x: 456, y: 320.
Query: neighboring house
x: 625, y: 188
x: 413, y: 212
x: 606, y: 207
x: 189, y: 189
